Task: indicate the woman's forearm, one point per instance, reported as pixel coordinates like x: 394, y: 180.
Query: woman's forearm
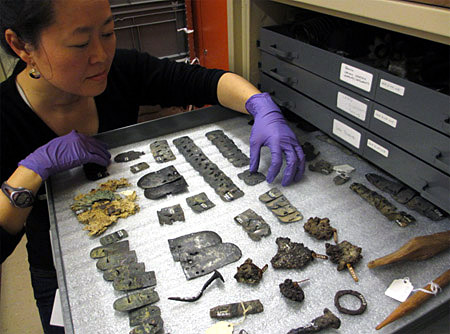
x: 233, y: 91
x: 13, y: 219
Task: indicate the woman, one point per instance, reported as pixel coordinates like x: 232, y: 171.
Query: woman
x: 71, y: 83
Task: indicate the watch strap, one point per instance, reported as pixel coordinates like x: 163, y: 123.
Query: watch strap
x: 12, y: 193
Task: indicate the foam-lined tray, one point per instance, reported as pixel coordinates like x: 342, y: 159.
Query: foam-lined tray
x: 88, y: 300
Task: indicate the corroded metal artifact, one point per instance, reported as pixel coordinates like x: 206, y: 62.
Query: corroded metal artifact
x: 103, y: 251
x: 343, y: 253
x: 102, y: 206
x: 170, y: 214
x: 328, y: 319
x: 228, y: 148
x: 124, y: 270
x: 249, y: 273
x: 199, y: 202
x: 162, y: 182
x: 253, y: 224
x: 152, y: 325
x: 292, y: 290
x: 136, y: 300
x: 94, y: 171
x: 383, y: 205
x: 203, y: 252
x: 291, y: 255
x: 229, y: 311
x: 344, y: 310
x: 135, y: 281
x: 215, y: 276
x: 321, y: 166
x: 128, y: 156
x: 113, y: 237
x: 406, y: 195
x: 207, y: 259
x: 190, y: 243
x: 161, y: 151
x: 308, y: 149
x: 144, y: 313
x: 217, y: 179
x: 250, y: 178
x: 280, y: 206
x: 115, y: 260
x: 319, y: 228
x: 139, y: 167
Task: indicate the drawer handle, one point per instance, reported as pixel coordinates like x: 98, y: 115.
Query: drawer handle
x: 286, y: 104
x: 446, y: 125
x: 281, y: 78
x: 437, y: 159
x: 281, y: 53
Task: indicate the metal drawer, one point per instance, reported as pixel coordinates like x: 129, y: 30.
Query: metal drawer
x: 343, y: 101
x: 423, y: 104
x: 355, y: 76
x: 338, y: 127
x: 419, y: 140
x: 431, y: 183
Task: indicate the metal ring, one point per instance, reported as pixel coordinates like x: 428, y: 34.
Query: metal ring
x: 358, y: 295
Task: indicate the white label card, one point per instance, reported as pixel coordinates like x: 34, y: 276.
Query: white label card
x: 351, y: 106
x: 356, y: 77
x: 377, y: 148
x: 392, y: 87
x: 399, y: 289
x: 346, y: 133
x: 221, y: 327
x: 385, y: 118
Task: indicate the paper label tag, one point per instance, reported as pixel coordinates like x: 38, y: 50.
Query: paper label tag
x: 345, y: 169
x: 351, y: 106
x: 399, y: 289
x: 221, y: 327
x: 385, y: 118
x: 392, y: 87
x: 346, y: 133
x: 356, y: 77
x: 378, y: 148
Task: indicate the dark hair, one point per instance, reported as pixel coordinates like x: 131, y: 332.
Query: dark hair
x: 27, y: 18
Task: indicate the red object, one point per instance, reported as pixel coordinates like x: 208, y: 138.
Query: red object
x: 211, y: 32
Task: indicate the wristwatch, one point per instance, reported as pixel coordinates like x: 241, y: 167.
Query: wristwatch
x: 19, y: 197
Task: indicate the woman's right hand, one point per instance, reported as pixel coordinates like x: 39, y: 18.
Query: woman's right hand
x: 66, y: 152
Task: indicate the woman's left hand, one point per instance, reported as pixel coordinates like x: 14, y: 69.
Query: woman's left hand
x: 270, y: 129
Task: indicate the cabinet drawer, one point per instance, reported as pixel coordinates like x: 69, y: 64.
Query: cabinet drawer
x: 406, y: 97
x: 431, y: 183
x: 343, y: 101
x: 346, y: 72
x: 423, y: 104
x: 338, y: 127
x: 419, y: 140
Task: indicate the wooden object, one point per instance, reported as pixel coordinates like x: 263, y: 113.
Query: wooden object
x: 415, y: 300
x: 416, y: 249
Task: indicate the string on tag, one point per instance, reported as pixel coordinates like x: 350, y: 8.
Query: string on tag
x: 434, y: 287
x: 244, y: 313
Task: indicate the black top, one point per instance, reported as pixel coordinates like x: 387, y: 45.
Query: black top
x: 135, y: 79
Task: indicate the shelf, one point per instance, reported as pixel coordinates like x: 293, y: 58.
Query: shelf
x: 420, y: 20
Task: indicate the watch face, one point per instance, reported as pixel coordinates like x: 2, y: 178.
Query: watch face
x: 22, y: 199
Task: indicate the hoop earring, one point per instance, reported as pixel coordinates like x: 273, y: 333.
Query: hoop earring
x: 34, y: 73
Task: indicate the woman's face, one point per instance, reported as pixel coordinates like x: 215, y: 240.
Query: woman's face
x: 75, y: 53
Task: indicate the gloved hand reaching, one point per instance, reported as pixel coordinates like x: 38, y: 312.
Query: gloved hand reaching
x: 66, y: 152
x: 270, y: 129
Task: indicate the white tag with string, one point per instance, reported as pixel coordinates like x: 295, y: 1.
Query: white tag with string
x: 399, y: 289
x: 221, y: 327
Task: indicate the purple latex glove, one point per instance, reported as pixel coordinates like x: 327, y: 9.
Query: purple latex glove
x: 270, y: 129
x: 66, y: 152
